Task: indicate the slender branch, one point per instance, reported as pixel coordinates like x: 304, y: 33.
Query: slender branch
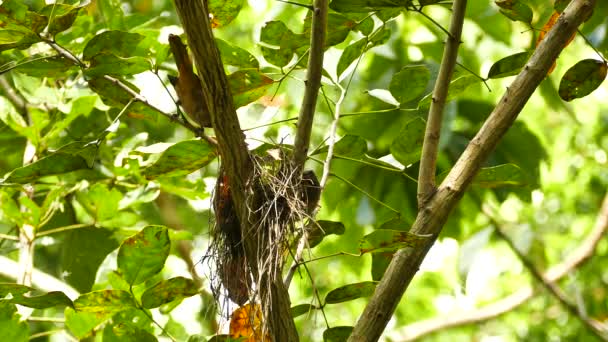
x: 13, y: 96
x: 430, y: 147
x: 63, y: 229
x: 592, y: 325
x: 313, y: 82
x: 9, y: 237
x: 433, y: 215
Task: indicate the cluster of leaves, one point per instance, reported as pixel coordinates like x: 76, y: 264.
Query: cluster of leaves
x: 106, y: 161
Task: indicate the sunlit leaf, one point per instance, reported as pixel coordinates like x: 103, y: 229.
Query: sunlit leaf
x: 510, y: 65
x: 12, y: 327
x: 110, y: 64
x: 224, y: 11
x: 407, y: 146
x: 582, y: 79
x: 457, y: 87
x: 61, y: 16
x: 17, y: 294
x: 351, y: 292
x: 337, y: 334
x: 182, y: 158
x: 104, y: 302
x: 350, y: 54
x: 114, y: 95
x: 388, y: 240
x: 409, y: 83
x: 236, y: 56
x: 41, y: 66
x: 248, y: 86
x: 119, y: 43
x: 143, y: 255
x: 350, y: 146
x: 73, y: 156
x: 167, y: 291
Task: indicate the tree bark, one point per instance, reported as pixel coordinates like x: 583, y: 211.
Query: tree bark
x: 234, y: 153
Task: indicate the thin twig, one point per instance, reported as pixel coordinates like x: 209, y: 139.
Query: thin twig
x: 313, y: 82
x: 592, y: 325
x: 430, y: 147
x: 64, y: 229
x: 9, y: 237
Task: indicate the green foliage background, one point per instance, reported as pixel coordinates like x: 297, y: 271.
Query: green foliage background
x: 109, y: 173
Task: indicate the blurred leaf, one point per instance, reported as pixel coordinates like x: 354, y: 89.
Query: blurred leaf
x: 470, y: 250
x: 109, y: 64
x: 247, y: 86
x: 104, y: 302
x: 409, y: 83
x: 101, y: 202
x: 323, y: 228
x: 17, y: 295
x: 20, y: 27
x: 41, y: 66
x: 388, y: 240
x: 515, y: 10
x: 81, y: 106
x: 143, y: 255
x: 223, y: 12
x: 236, y: 56
x: 167, y: 291
x: 337, y: 334
x: 112, y: 14
x: 61, y: 16
x: 12, y: 328
x: 301, y: 309
x: 407, y: 146
x: 125, y: 332
x: 560, y: 5
x: 582, y: 79
x: 367, y: 5
x: 510, y: 65
x: 73, y: 156
x: 350, y: 146
x: 351, y: 292
x: 381, y: 260
x: 457, y: 87
x: 81, y: 324
x: 350, y: 54
x: 182, y: 158
x: 114, y: 95
x: 500, y: 175
x: 119, y: 43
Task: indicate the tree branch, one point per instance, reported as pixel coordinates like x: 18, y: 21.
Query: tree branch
x: 592, y: 325
x: 432, y: 216
x: 313, y: 82
x: 430, y: 147
x: 575, y: 260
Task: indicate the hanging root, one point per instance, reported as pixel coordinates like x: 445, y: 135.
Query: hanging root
x: 279, y: 203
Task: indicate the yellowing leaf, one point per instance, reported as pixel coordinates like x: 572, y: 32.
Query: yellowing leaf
x: 246, y: 321
x: 545, y: 30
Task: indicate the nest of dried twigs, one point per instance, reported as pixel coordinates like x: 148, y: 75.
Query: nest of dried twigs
x: 279, y: 202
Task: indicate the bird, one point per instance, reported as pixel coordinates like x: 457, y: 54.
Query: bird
x: 187, y: 85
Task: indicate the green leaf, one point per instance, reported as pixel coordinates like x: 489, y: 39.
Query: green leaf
x: 73, y: 156
x: 236, y: 56
x: 582, y: 79
x: 350, y: 146
x: 115, y: 96
x: 143, y: 255
x: 301, y: 309
x: 323, y: 228
x: 381, y: 260
x: 81, y: 106
x: 358, y: 6
x: 125, y: 333
x: 42, y: 66
x: 119, y: 43
x: 560, y: 5
x: 223, y: 12
x: 182, y: 158
x: 351, y: 292
x: 515, y: 10
x: 457, y: 87
x: 248, y: 86
x: 112, y: 13
x: 61, y: 16
x: 167, y: 291
x: 510, y: 65
x: 104, y: 302
x: 12, y: 328
x: 409, y: 83
x: 111, y: 64
x: 501, y: 175
x: 406, y: 148
x: 350, y: 54
x: 17, y: 294
x: 337, y: 334
x: 82, y: 324
x: 388, y: 240
x: 84, y: 251
x: 20, y: 27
